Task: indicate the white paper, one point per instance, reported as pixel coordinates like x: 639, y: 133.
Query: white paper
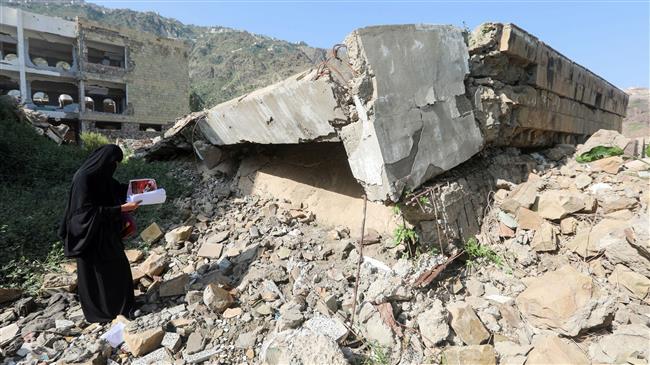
x: 157, y: 196
x: 115, y: 335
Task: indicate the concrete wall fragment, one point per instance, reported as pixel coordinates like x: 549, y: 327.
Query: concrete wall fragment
x: 298, y: 109
x: 527, y: 94
x: 414, y: 121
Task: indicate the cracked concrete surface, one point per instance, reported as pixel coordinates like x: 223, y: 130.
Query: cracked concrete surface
x: 409, y: 102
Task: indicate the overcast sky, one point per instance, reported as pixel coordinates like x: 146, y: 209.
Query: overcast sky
x: 610, y: 38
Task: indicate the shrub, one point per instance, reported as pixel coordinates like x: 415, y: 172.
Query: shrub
x: 34, y: 184
x: 91, y: 141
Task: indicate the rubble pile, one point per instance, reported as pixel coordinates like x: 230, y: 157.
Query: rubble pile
x: 38, y: 120
x: 256, y: 280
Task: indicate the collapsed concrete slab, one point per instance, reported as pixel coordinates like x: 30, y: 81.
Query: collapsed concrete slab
x: 298, y: 109
x: 411, y: 102
x: 527, y: 94
x: 402, y: 116
x: 413, y: 119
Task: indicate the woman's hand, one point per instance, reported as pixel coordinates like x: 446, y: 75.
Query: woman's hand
x: 130, y: 207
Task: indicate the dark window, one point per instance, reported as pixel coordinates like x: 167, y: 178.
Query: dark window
x: 151, y: 127
x: 108, y: 125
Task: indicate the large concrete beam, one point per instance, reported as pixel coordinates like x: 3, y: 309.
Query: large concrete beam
x: 526, y: 94
x: 298, y: 109
x: 414, y: 121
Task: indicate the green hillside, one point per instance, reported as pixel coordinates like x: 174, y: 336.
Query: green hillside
x: 224, y: 63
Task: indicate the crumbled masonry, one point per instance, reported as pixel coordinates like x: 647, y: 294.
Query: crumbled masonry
x: 409, y: 102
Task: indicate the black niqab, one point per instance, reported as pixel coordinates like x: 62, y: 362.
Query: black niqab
x: 90, y: 230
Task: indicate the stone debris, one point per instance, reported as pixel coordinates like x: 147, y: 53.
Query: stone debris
x: 152, y: 233
x: 576, y: 302
x: 553, y: 350
x: 255, y: 279
x: 474, y: 354
x: 467, y: 325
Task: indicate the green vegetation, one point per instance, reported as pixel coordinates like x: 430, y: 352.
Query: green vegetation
x: 598, y: 153
x: 403, y: 234
x: 224, y: 63
x: 34, y: 183
x: 378, y: 355
x: 647, y: 150
x: 90, y: 141
x: 478, y: 253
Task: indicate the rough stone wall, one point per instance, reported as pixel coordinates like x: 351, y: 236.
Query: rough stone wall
x: 156, y: 73
x: 462, y: 194
x: 527, y: 94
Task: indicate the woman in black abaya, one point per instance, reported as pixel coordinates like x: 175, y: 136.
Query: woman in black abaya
x: 91, y: 232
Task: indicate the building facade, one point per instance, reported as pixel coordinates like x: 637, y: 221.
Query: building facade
x: 93, y: 77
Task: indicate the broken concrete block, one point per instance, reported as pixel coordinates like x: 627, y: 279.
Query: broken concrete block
x: 467, y: 325
x: 151, y: 234
x: 466, y: 355
x: 210, y: 250
x: 553, y: 350
x: 433, y: 324
x: 154, y: 265
x: 295, y: 110
x: 328, y: 326
x: 133, y: 255
x: 174, y: 286
x: 418, y: 88
x: 216, y: 298
x: 557, y: 204
x: 141, y: 343
x: 574, y: 303
x: 210, y: 155
x: 178, y: 235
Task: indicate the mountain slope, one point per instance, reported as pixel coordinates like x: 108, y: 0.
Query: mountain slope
x: 637, y: 121
x: 224, y: 63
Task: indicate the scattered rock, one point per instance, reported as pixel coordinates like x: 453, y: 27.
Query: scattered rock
x: 216, y: 298
x: 57, y: 282
x: 433, y: 324
x: 557, y: 204
x: 134, y: 255
x: 610, y: 165
x: 470, y: 355
x: 637, y: 284
x: 194, y: 343
x: 154, y: 265
x: 527, y: 219
x: 568, y: 225
x: 553, y: 350
x: 565, y: 301
x: 628, y: 344
x: 544, y: 239
x: 582, y: 181
x: 142, y: 342
x: 174, y: 286
x: 178, y: 235
x: 466, y: 324
x: 246, y: 340
x: 210, y: 250
x: 151, y: 234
